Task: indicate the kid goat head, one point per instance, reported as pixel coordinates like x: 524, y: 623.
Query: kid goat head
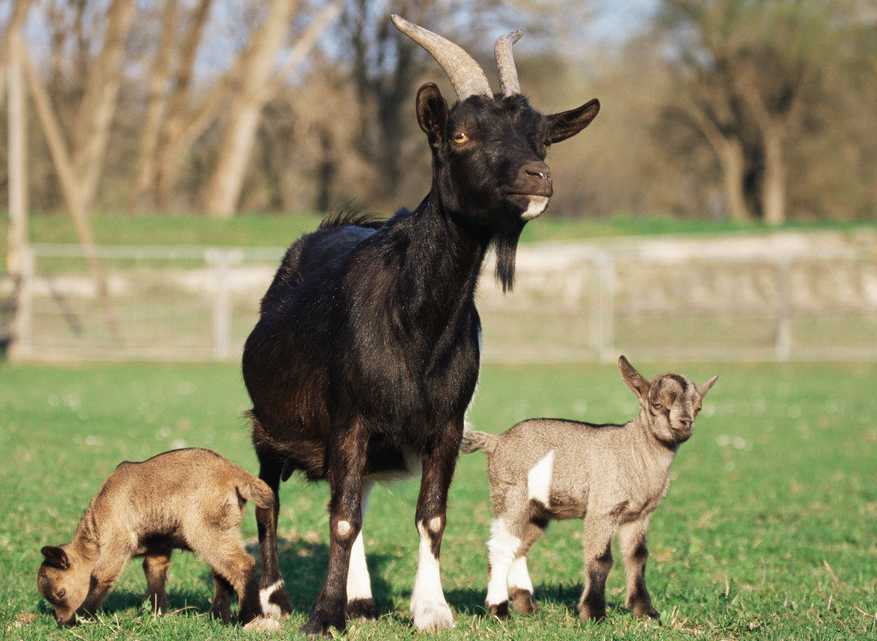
x: 489, y: 150
x: 668, y: 404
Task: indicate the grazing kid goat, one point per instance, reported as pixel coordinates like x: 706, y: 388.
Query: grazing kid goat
x: 612, y: 476
x: 366, y: 353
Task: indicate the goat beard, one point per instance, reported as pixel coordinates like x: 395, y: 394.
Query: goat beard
x: 505, y: 243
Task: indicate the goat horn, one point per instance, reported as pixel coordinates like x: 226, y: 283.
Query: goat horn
x: 505, y: 63
x: 465, y: 74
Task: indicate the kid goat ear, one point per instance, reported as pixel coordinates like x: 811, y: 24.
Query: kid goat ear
x: 703, y: 389
x: 56, y: 557
x: 634, y: 380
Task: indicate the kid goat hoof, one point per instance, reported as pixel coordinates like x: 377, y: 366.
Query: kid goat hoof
x: 588, y: 613
x: 522, y: 601
x: 645, y: 612
x: 500, y: 610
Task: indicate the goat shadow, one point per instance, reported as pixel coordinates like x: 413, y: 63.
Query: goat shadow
x: 303, y: 566
x: 471, y: 600
x: 122, y: 600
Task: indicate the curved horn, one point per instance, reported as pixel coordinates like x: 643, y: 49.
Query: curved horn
x: 466, y: 76
x: 505, y: 63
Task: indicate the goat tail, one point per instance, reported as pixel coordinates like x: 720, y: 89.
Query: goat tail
x: 256, y: 490
x: 476, y: 441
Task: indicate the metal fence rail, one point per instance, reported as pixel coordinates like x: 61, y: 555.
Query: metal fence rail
x: 570, y: 304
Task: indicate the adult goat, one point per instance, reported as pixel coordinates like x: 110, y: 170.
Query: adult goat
x: 366, y: 353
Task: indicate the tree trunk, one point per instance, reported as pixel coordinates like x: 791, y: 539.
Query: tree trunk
x: 255, y: 88
x: 729, y: 151
x: 167, y: 153
x: 17, y: 17
x: 733, y: 166
x: 70, y: 187
x: 773, y: 191
x: 17, y: 153
x: 98, y: 105
x: 158, y: 80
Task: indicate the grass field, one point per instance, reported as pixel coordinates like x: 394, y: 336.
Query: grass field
x: 279, y: 230
x: 769, y: 530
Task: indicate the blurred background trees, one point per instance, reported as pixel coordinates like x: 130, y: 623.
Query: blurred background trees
x: 740, y: 109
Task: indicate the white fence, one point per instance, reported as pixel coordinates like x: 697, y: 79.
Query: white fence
x: 571, y: 303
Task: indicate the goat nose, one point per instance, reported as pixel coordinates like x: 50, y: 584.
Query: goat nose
x: 535, y: 178
x: 538, y: 169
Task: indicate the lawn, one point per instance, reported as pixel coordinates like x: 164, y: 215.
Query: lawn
x: 769, y: 530
x: 251, y: 230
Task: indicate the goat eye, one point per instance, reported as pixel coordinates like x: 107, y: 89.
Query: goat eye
x: 459, y: 138
x: 61, y: 594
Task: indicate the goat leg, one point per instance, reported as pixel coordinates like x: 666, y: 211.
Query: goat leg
x: 428, y: 605
x: 632, y: 537
x: 272, y: 597
x: 346, y: 473
x: 598, y: 563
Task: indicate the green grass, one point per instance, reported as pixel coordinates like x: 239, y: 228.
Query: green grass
x: 769, y: 530
x: 280, y: 230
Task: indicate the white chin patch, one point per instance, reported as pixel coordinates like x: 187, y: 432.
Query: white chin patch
x: 535, y: 208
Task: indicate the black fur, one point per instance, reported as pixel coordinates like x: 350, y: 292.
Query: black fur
x: 367, y: 344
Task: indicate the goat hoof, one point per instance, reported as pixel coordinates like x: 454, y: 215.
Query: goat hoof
x: 321, y: 620
x: 362, y: 609
x: 158, y: 605
x: 500, y: 610
x: 522, y: 601
x: 316, y: 627
x: 591, y: 612
x: 432, y: 616
x: 221, y: 613
x: 274, y: 601
x: 645, y: 611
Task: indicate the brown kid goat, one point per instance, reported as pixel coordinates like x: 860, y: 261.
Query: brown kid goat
x: 189, y: 499
x: 612, y: 476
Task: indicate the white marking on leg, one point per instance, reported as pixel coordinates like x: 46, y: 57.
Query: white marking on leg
x: 358, y: 579
x: 539, y: 479
x: 343, y: 528
x: 501, y: 549
x: 268, y: 608
x: 519, y: 577
x: 428, y: 605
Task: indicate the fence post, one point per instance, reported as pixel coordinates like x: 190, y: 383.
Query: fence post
x: 603, y: 311
x: 783, y: 337
x: 220, y: 261
x: 21, y: 346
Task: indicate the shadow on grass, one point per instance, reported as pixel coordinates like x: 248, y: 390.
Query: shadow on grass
x: 471, y: 600
x: 178, y: 600
x: 303, y: 566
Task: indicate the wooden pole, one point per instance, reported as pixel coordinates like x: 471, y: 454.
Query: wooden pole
x: 17, y: 254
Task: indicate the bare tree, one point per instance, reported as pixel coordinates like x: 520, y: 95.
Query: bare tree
x: 159, y: 75
x: 98, y: 105
x: 254, y: 88
x: 742, y: 68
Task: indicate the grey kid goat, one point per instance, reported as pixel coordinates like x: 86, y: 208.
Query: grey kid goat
x: 612, y: 476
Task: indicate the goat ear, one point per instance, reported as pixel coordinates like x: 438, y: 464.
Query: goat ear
x: 703, y: 389
x: 567, y: 124
x: 55, y: 556
x: 432, y: 112
x: 635, y: 381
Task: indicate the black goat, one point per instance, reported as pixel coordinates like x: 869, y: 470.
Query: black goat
x: 366, y: 354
